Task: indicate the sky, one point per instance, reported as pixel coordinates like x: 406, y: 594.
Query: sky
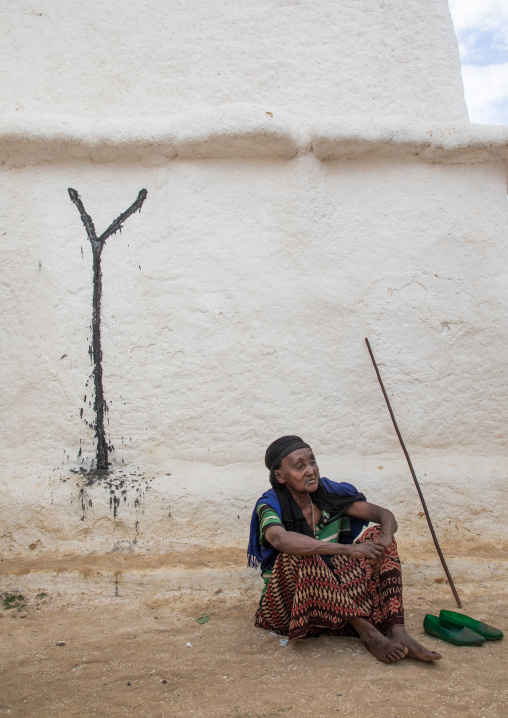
x: 481, y: 27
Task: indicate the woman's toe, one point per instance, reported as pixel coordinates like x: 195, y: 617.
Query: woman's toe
x: 400, y: 652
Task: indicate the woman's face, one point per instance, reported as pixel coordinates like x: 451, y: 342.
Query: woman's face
x: 299, y: 471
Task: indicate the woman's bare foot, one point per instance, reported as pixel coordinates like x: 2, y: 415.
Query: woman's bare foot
x: 384, y: 649
x: 414, y: 649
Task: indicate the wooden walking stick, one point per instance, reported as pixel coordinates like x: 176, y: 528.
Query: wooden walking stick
x: 427, y: 515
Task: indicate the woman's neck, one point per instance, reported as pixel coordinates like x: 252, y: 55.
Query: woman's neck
x: 302, y: 499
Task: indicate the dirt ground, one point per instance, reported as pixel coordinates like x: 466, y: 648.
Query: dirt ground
x: 130, y: 657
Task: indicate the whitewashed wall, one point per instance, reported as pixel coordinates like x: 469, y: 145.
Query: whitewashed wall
x: 312, y: 179
x: 163, y: 57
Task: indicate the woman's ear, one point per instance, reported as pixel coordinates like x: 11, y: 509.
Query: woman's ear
x: 278, y: 476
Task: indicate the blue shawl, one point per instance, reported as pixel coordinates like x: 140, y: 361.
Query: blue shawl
x: 265, y: 557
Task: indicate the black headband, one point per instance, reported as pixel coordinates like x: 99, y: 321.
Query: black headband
x: 281, y: 448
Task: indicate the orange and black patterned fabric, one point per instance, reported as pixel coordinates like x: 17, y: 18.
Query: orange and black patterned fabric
x: 305, y: 598
x: 332, y: 529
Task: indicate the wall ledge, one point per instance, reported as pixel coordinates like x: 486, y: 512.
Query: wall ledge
x: 251, y: 131
x: 339, y: 138
x: 228, y: 131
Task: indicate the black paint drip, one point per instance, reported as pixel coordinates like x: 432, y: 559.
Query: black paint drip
x: 96, y: 351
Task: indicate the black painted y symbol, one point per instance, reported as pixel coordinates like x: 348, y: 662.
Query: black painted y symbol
x: 97, y: 247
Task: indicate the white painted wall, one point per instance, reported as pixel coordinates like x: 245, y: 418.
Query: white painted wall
x: 157, y: 57
x: 235, y: 305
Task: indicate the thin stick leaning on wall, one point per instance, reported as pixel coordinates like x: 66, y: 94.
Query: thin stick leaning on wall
x: 420, y: 494
x: 95, y: 349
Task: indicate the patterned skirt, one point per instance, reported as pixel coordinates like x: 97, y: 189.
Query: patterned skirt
x: 305, y: 598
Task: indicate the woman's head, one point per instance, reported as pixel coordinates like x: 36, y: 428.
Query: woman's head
x: 291, y: 461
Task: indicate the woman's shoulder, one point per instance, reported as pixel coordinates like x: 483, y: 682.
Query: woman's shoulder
x: 342, y: 488
x: 269, y: 498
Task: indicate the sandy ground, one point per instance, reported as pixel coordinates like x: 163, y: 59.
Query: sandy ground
x: 129, y: 657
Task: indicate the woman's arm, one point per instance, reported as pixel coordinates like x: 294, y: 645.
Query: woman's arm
x: 378, y: 515
x: 301, y: 545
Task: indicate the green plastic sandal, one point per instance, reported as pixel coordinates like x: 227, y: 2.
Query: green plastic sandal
x: 447, y: 631
x: 483, y: 629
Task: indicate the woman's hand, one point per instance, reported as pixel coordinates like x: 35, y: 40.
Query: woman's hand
x: 384, y: 540
x: 373, y: 552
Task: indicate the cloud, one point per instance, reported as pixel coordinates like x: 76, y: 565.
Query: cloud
x: 486, y: 91
x: 483, y: 47
x: 482, y: 32
x: 487, y: 14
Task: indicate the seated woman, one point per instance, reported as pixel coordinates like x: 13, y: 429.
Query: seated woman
x: 316, y: 579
